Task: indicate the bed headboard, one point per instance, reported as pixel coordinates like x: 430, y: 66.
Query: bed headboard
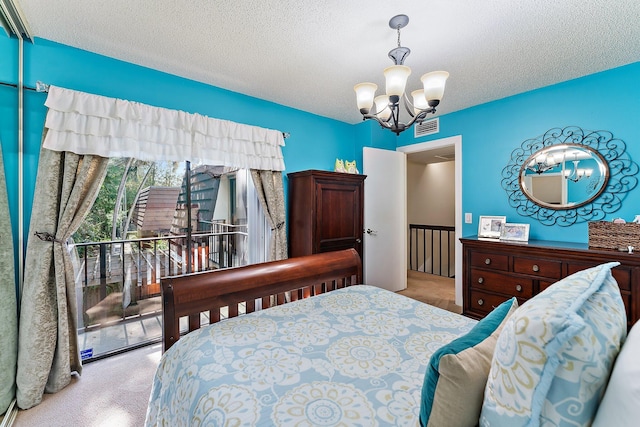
x: 194, y: 294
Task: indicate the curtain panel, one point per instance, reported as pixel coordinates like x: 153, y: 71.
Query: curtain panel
x: 84, y: 123
x: 270, y: 191
x: 8, y: 302
x: 67, y: 184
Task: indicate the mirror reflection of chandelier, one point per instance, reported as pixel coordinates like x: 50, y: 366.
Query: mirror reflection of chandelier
x: 387, y: 107
x: 577, y: 173
x: 543, y: 163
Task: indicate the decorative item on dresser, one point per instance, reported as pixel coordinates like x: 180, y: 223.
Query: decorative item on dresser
x: 496, y: 271
x: 325, y: 212
x: 612, y: 235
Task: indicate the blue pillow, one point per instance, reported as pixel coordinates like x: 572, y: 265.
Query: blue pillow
x: 554, y: 356
x: 470, y: 368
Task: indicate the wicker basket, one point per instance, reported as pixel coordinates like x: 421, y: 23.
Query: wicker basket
x: 609, y: 235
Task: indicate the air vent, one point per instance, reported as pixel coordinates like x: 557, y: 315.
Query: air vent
x: 428, y: 127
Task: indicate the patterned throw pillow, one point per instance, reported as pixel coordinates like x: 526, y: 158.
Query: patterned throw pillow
x: 554, y: 355
x: 457, y: 373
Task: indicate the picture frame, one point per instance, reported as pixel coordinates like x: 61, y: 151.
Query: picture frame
x: 490, y: 227
x: 515, y: 232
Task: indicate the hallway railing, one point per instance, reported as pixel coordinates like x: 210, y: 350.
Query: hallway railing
x: 431, y: 249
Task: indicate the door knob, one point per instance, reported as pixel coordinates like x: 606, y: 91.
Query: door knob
x: 371, y: 232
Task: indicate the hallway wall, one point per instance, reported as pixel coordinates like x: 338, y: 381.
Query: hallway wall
x: 430, y: 193
x: 431, y: 201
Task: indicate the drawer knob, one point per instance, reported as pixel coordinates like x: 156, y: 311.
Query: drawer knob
x: 519, y: 288
x: 480, y: 301
x: 536, y: 268
x: 481, y: 280
x: 487, y: 261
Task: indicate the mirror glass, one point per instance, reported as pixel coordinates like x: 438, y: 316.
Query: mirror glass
x: 564, y: 176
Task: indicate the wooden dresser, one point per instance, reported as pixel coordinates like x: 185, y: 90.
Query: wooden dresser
x: 494, y: 271
x: 325, y: 212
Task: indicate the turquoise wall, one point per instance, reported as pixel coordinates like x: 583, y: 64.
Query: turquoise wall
x: 609, y: 100
x: 314, y: 143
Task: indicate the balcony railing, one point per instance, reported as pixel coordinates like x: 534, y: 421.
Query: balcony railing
x: 118, y: 282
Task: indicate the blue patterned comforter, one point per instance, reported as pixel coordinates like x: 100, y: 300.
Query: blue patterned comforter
x: 350, y: 357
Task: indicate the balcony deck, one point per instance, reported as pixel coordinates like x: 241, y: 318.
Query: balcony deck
x: 118, y: 285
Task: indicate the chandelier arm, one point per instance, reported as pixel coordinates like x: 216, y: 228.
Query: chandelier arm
x: 408, y: 103
x: 376, y: 114
x: 382, y: 123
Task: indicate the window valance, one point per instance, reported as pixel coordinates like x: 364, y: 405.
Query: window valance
x: 84, y: 123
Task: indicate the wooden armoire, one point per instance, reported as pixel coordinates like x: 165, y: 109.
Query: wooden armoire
x: 325, y: 212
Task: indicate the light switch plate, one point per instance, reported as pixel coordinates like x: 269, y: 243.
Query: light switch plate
x: 468, y: 218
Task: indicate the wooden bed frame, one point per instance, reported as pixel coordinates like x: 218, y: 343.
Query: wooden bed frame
x: 192, y: 294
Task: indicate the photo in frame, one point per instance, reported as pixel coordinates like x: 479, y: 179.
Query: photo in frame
x: 515, y: 232
x: 490, y: 227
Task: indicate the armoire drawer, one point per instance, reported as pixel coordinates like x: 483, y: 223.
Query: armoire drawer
x: 489, y: 260
x: 502, y: 283
x: 538, y: 267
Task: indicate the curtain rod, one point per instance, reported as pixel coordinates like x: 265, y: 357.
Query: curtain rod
x: 43, y: 87
x: 40, y: 87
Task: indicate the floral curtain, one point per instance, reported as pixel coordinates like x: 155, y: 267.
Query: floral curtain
x: 270, y: 192
x: 66, y: 187
x: 8, y: 303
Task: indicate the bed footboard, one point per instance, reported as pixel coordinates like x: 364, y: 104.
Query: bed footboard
x: 237, y: 289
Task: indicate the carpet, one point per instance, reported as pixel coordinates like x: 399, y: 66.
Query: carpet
x: 111, y: 392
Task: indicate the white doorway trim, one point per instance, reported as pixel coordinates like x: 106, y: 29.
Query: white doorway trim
x: 456, y: 142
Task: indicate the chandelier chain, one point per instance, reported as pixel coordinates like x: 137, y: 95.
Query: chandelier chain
x: 398, y: 29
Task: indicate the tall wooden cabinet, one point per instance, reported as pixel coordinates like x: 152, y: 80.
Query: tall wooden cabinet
x: 325, y: 212
x: 496, y: 271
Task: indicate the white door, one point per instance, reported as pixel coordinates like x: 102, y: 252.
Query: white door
x: 385, y: 219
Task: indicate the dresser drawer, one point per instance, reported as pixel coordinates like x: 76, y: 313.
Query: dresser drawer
x: 544, y: 284
x: 622, y: 274
x: 489, y: 260
x: 538, y: 267
x: 483, y: 303
x: 503, y: 283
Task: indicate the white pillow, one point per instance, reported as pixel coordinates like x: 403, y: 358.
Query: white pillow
x: 620, y: 405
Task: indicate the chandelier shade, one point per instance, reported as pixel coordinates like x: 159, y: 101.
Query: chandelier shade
x: 383, y: 110
x: 387, y: 107
x: 434, y: 83
x: 365, y: 93
x: 396, y: 79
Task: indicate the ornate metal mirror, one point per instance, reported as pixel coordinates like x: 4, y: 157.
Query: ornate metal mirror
x: 569, y: 175
x: 564, y: 176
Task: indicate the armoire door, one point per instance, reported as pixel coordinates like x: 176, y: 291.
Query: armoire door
x: 339, y: 210
x: 325, y: 212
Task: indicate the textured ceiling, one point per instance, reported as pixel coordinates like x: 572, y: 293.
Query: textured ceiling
x: 309, y: 54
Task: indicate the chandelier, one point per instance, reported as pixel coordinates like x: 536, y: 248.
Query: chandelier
x: 387, y: 107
